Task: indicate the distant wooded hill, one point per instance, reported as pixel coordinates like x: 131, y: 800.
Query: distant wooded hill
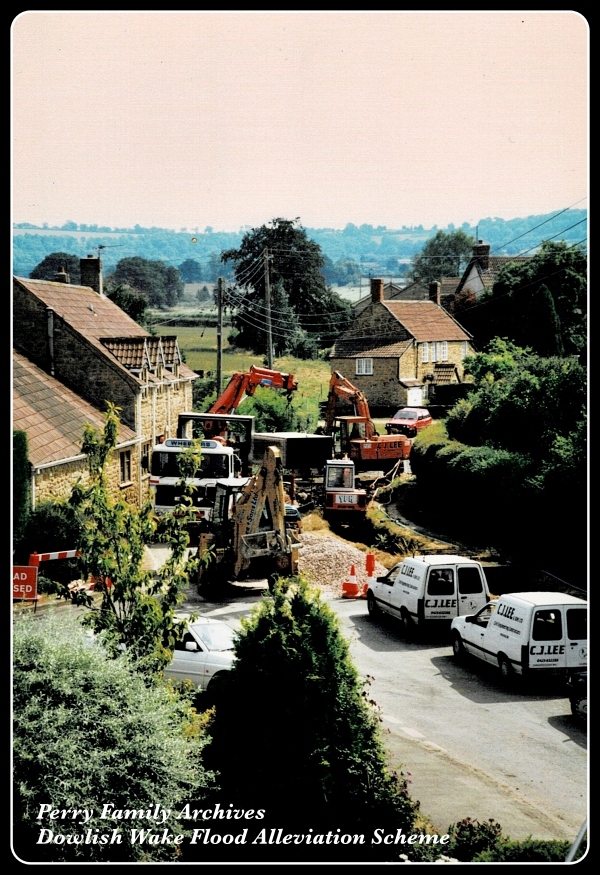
x: 376, y: 249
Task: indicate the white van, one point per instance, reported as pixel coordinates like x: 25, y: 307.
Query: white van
x: 526, y: 632
x: 429, y: 589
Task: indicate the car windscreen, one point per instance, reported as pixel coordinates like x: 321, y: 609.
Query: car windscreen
x: 217, y: 636
x: 405, y: 414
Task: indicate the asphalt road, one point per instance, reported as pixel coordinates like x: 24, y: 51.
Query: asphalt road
x: 468, y: 747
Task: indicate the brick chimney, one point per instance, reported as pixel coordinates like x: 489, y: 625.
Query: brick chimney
x: 62, y: 276
x: 376, y: 291
x: 481, y: 251
x: 91, y: 273
x: 435, y: 292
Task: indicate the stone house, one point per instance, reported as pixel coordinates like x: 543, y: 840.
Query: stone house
x: 395, y: 351
x: 76, y: 335
x: 54, y: 417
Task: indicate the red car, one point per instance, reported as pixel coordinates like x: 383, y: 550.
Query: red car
x: 408, y: 421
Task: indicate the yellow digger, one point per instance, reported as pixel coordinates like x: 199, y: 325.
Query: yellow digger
x: 247, y: 535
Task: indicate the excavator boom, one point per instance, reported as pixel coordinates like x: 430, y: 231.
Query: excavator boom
x: 242, y: 384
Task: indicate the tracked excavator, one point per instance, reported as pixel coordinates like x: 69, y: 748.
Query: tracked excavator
x: 356, y: 436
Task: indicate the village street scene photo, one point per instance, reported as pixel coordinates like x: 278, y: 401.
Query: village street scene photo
x: 300, y: 531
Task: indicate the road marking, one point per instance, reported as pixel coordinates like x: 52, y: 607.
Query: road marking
x: 412, y: 732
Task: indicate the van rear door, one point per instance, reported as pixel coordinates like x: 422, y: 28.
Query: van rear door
x: 576, y: 636
x: 472, y: 589
x: 440, y: 594
x: 548, y: 645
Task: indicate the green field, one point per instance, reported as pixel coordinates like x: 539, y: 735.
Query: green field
x: 199, y: 345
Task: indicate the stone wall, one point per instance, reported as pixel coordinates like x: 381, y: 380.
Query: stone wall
x: 55, y: 483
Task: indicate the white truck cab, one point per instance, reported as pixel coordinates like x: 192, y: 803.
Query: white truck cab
x: 426, y: 589
x: 526, y: 633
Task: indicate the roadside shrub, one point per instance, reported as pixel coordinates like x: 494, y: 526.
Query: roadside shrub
x: 527, y: 851
x: 90, y: 730
x: 471, y: 837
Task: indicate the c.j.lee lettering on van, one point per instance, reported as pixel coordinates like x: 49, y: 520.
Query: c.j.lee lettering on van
x: 429, y: 589
x: 524, y: 633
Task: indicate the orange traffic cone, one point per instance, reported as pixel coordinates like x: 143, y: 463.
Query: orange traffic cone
x: 370, y: 567
x: 350, y: 588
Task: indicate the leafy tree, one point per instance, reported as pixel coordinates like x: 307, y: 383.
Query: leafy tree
x: 160, y: 284
x: 445, y: 254
x: 522, y: 402
x: 554, y: 284
x: 54, y: 263
x: 295, y: 695
x: 136, y: 610
x: 274, y: 412
x: 190, y: 270
x: 88, y: 731
x: 295, y: 266
x: 203, y: 295
x: 132, y: 302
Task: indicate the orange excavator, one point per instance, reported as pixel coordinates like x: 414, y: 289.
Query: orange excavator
x: 242, y: 384
x: 356, y: 436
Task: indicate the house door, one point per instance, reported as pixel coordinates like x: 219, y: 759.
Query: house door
x: 414, y: 396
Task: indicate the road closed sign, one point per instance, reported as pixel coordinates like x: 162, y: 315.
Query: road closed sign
x: 24, y: 581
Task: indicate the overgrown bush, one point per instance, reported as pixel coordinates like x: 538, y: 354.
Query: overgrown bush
x: 316, y: 752
x: 87, y: 731
x: 527, y: 851
x: 21, y: 477
x: 471, y: 837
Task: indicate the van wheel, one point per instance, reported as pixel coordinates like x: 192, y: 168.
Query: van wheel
x: 458, y: 648
x: 407, y: 623
x: 372, y: 605
x: 506, y: 670
x: 579, y: 709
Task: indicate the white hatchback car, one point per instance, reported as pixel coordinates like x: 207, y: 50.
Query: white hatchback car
x: 204, y: 654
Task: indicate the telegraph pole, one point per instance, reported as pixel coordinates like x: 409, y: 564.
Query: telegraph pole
x: 268, y: 307
x: 219, y: 335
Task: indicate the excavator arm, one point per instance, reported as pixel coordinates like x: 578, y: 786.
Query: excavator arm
x: 242, y: 384
x: 341, y: 388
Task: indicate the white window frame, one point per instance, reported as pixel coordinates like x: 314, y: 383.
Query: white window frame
x: 444, y: 350
x: 124, y: 467
x: 465, y: 349
x: 364, y: 367
x: 433, y: 352
x: 424, y: 353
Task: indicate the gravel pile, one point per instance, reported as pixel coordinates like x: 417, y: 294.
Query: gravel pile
x: 326, y: 562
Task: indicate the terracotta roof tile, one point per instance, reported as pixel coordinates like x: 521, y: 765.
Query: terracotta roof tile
x: 105, y: 325
x: 52, y: 415
x: 426, y: 321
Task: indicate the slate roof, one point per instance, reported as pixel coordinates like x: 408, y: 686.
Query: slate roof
x: 489, y: 275
x: 371, y: 347
x: 106, y: 326
x: 52, y: 415
x: 415, y: 291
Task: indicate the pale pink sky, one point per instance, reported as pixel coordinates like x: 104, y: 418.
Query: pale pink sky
x: 183, y: 120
